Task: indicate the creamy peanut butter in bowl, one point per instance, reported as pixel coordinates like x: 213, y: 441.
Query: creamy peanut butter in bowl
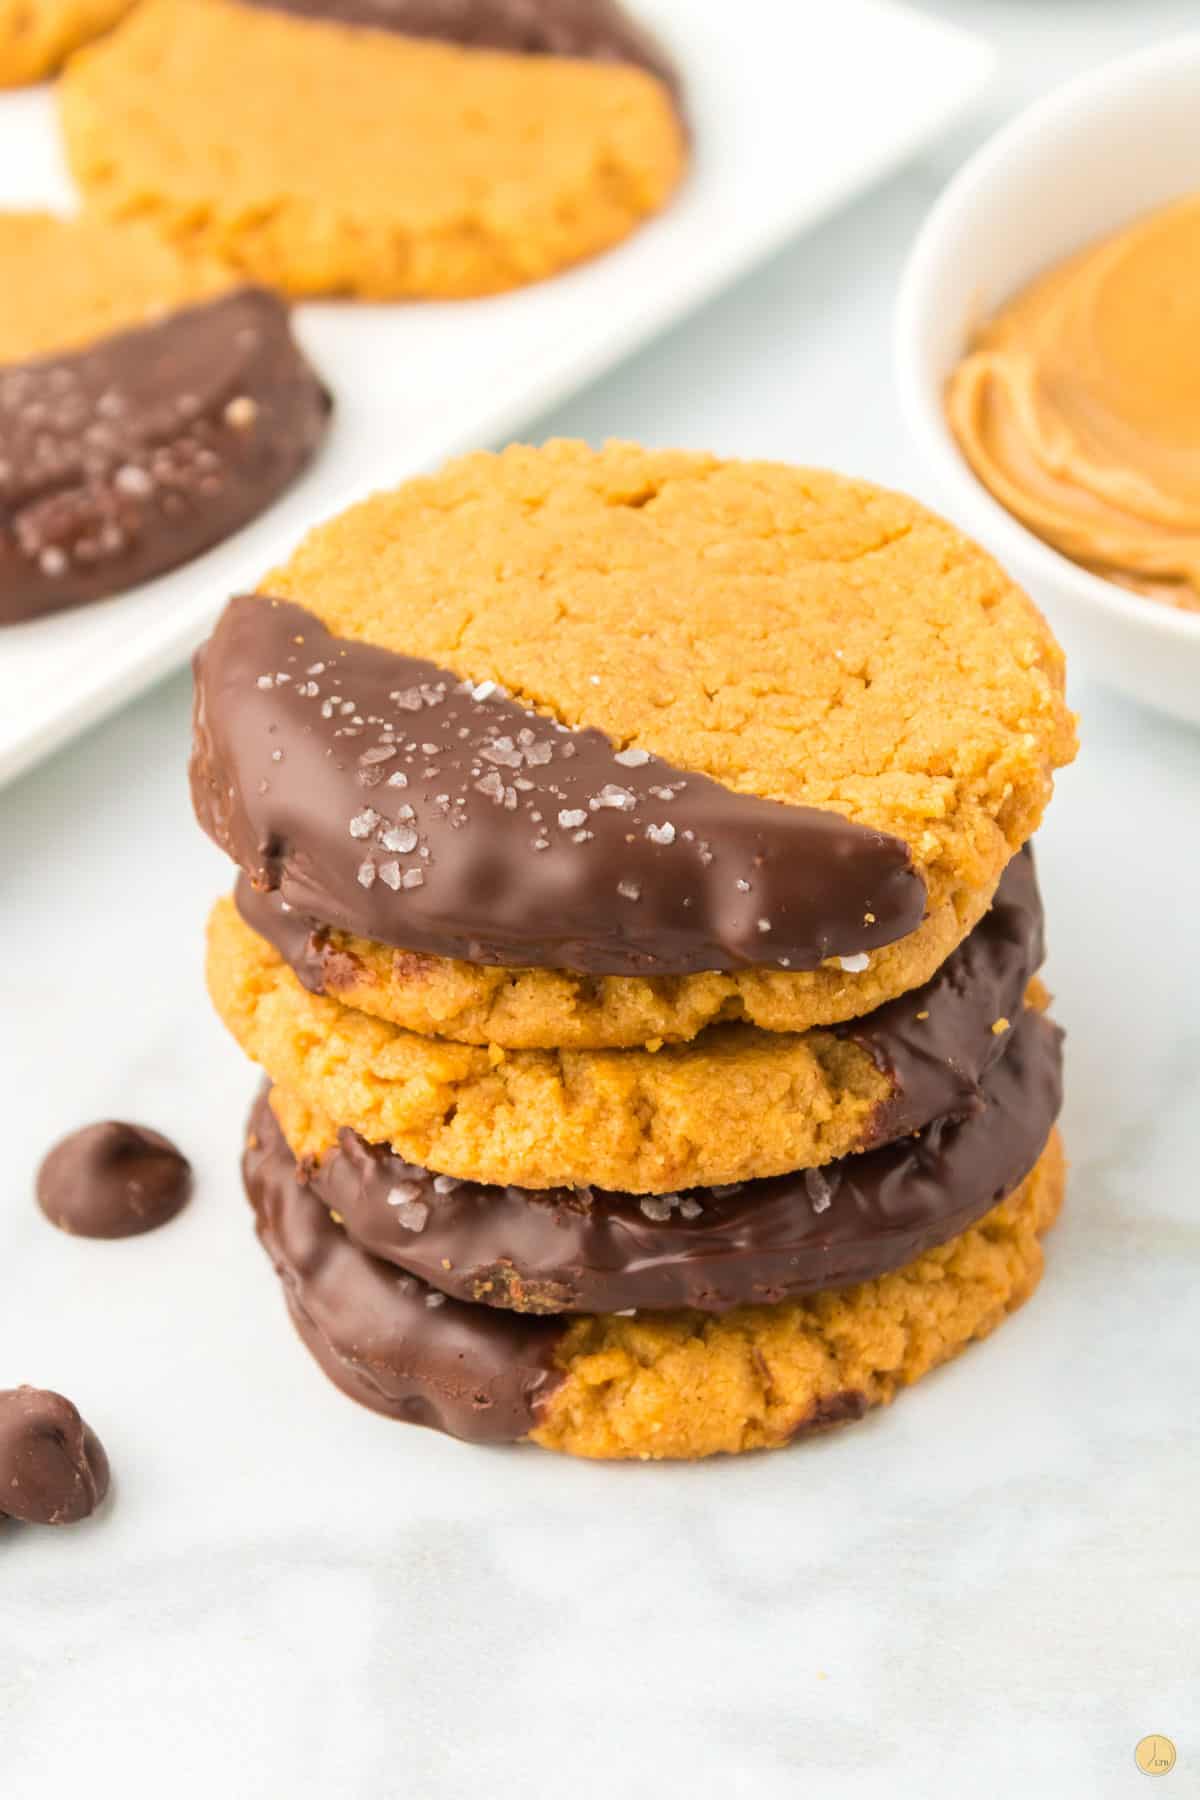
x: 1048, y: 358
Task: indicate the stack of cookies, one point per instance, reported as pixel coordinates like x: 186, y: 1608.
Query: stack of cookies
x: 636, y: 926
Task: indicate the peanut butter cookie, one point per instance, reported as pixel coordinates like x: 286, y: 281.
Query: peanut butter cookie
x: 349, y: 148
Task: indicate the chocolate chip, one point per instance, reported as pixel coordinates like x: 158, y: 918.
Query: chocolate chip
x: 53, y: 1470
x: 113, y: 1180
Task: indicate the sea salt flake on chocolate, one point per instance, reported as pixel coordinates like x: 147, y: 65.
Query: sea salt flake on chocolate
x: 131, y: 480
x: 743, y: 887
x: 582, y: 837
x: 412, y: 1212
x: 619, y: 798
x: 400, y: 837
x: 317, y: 668
x: 366, y: 874
x: 661, y: 834
x: 364, y: 823
x: 690, y: 1209
x: 413, y: 878
x: 398, y: 780
x: 308, y: 689
x: 433, y: 1298
x: 572, y: 816
x: 854, y: 965
x: 728, y: 1190
x: 485, y: 690
x: 265, y: 681
x: 629, y: 890
x: 763, y: 924
x: 658, y: 1207
x: 380, y: 753
x: 389, y: 872
x: 445, y: 1184
x: 632, y: 758
x: 53, y: 562
x: 241, y: 412
x: 504, y: 752
x: 819, y: 1189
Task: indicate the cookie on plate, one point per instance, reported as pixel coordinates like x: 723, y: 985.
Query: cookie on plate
x: 461, y: 150
x: 149, y: 407
x: 37, y: 36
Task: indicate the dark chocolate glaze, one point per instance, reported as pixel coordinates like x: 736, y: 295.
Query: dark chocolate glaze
x: 381, y: 794
x: 565, y: 1250
x: 938, y: 1042
x: 124, y: 459
x: 384, y: 1337
x: 113, y: 1180
x: 594, y: 30
x: 53, y: 1470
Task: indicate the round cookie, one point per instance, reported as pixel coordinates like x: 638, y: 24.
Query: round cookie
x: 446, y: 168
x: 37, y: 36
x: 735, y: 1105
x: 677, y: 1385
x: 148, y: 409
x: 834, y: 691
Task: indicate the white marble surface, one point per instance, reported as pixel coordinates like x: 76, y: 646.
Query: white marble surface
x: 993, y: 1588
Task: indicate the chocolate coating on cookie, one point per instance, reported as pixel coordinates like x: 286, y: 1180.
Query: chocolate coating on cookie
x: 592, y: 30
x: 383, y: 795
x: 53, y: 1470
x: 113, y: 1180
x: 123, y: 460
x: 385, y: 1338
x: 937, y: 1042
x: 566, y: 1250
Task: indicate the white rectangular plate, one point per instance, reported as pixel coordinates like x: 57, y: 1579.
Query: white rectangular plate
x: 796, y: 107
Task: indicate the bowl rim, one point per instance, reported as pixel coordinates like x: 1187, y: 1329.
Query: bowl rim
x: 922, y: 407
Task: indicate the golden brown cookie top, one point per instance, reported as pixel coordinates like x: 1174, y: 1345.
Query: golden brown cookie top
x: 442, y: 170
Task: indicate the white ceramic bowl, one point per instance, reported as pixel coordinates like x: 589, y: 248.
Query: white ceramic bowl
x: 1082, y: 162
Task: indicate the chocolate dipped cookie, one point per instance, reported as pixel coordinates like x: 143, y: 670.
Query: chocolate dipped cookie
x: 659, y: 1385
x: 148, y: 409
x: 755, y: 740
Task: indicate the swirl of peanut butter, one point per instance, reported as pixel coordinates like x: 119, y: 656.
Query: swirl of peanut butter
x: 1078, y: 406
